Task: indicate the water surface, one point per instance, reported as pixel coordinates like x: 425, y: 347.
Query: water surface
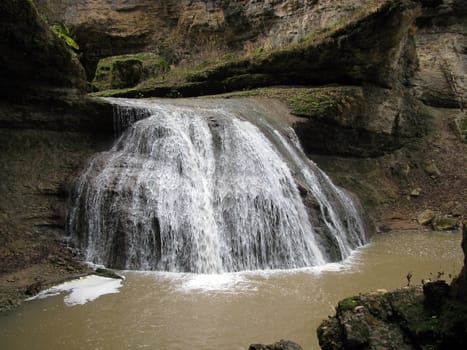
x: 230, y: 311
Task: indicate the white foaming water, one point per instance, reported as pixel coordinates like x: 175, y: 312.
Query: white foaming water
x: 201, y: 189
x: 244, y: 281
x: 83, y: 290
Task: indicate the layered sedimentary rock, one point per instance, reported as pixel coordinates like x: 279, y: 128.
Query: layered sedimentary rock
x: 46, y: 125
x: 182, y: 29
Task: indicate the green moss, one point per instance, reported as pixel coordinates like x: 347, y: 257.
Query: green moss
x: 116, y: 92
x: 64, y: 34
x: 444, y: 223
x: 348, y: 304
x: 308, y: 103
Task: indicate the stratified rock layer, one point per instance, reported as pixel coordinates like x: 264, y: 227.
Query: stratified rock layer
x: 181, y: 29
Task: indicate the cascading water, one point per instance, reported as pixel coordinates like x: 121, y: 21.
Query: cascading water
x: 208, y: 189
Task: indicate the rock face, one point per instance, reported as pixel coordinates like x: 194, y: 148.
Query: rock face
x: 360, y: 121
x: 42, y: 83
x: 203, y: 30
x: 48, y: 129
x: 178, y: 30
x: 441, y: 41
x: 379, y: 133
x: 354, y: 54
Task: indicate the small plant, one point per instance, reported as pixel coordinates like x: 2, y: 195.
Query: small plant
x: 409, y: 277
x: 64, y: 33
x: 260, y: 50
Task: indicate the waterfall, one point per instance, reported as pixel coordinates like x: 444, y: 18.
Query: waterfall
x: 208, y: 187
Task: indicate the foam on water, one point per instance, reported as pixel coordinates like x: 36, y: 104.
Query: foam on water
x: 82, y: 290
x: 246, y: 281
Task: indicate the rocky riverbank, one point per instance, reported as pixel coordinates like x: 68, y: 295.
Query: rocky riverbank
x: 432, y: 316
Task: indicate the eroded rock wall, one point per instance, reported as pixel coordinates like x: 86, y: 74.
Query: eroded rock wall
x: 199, y: 30
x: 441, y: 40
x: 181, y: 30
x: 48, y: 130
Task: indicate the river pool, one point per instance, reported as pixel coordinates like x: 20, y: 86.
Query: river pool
x: 230, y: 311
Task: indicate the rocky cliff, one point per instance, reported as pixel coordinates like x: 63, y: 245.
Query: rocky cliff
x: 48, y: 129
x: 191, y: 30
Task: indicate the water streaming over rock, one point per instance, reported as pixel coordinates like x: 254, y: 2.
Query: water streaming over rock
x: 208, y: 187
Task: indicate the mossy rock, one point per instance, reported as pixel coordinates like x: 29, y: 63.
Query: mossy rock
x: 443, y: 223
x: 348, y: 304
x: 126, y: 71
x: 107, y: 273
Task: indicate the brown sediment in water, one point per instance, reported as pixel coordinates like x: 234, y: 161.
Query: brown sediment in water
x: 172, y: 311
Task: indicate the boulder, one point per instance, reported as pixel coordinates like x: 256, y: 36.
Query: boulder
x: 444, y: 223
x: 435, y: 294
x: 425, y: 217
x: 454, y: 208
x: 432, y: 170
x: 126, y: 73
x: 407, y: 318
x: 361, y: 323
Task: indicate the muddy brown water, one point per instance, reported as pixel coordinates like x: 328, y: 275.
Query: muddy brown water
x: 182, y: 311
